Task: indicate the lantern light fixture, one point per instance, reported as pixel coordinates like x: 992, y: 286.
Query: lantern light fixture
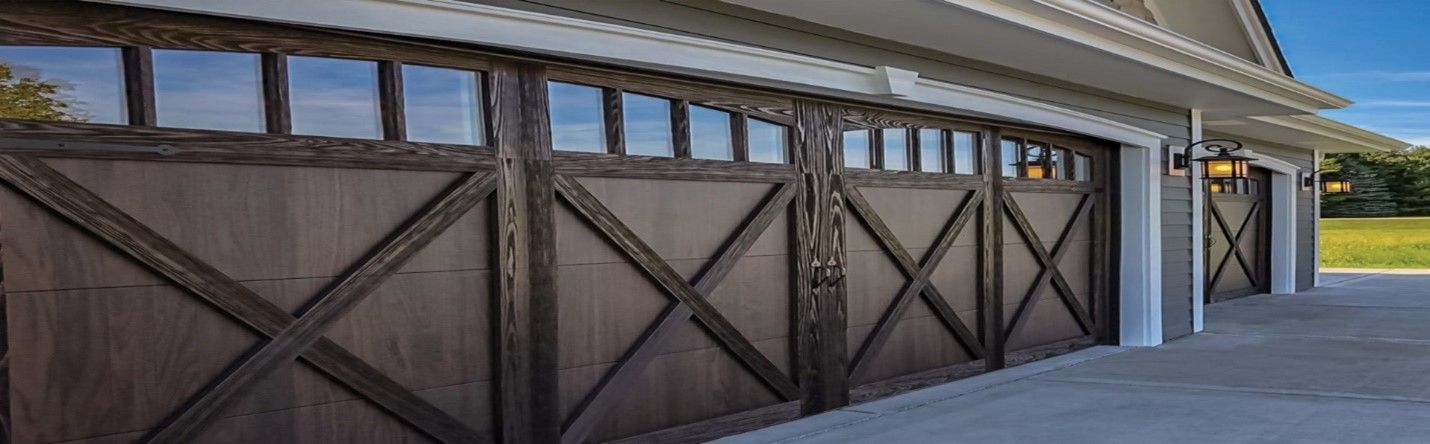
x: 1330, y: 183
x: 1223, y: 171
x: 1038, y: 165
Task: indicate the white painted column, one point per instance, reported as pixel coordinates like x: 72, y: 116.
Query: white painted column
x: 1141, y: 250
x: 1316, y: 220
x: 1283, y: 231
x: 1199, y: 238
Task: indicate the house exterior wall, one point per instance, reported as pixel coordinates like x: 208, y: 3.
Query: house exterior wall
x: 721, y: 21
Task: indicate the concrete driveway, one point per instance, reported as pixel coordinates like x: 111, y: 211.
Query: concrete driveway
x: 1347, y: 362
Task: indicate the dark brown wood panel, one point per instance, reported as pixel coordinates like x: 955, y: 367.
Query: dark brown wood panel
x: 737, y: 288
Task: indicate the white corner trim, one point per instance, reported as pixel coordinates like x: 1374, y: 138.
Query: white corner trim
x: 1140, y: 267
x: 1199, y: 238
x: 1283, y: 232
x: 895, y: 82
x: 530, y: 31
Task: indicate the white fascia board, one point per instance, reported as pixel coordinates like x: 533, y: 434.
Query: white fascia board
x: 1093, y: 24
x: 1258, y: 35
x: 1356, y: 139
x: 530, y: 31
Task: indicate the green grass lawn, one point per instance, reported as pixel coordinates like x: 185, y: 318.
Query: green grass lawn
x: 1398, y: 242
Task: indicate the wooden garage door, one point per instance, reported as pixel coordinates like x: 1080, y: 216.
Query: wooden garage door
x: 1238, y: 241
x: 397, y: 241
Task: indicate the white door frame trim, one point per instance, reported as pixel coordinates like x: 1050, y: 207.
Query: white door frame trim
x: 450, y: 20
x: 1283, y: 188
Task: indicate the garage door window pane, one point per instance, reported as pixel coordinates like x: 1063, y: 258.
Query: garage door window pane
x: 769, y: 142
x: 931, y: 150
x: 1011, y: 157
x: 576, y: 118
x: 963, y: 159
x: 442, y: 105
x: 896, y: 149
x: 208, y: 90
x: 1082, y: 168
x: 710, y: 134
x: 856, y: 149
x: 334, y: 97
x: 67, y: 84
x: 647, y: 125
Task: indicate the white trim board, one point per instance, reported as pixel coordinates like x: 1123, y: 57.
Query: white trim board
x: 530, y: 31
x: 1199, y: 239
x: 1141, y: 247
x: 1140, y: 261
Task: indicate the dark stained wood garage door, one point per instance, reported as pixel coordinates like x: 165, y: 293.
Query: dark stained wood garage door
x: 608, y: 254
x: 1238, y: 238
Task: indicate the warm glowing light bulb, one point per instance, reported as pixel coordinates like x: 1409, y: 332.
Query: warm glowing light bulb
x: 1035, y: 171
x: 1215, y: 187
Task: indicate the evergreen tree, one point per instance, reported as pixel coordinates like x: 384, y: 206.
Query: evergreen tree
x: 1370, y: 195
x: 27, y: 98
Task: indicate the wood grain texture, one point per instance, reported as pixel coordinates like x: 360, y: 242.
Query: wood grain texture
x: 821, y: 306
x: 625, y: 376
x: 641, y: 167
x: 390, y: 99
x: 277, y: 117
x: 918, y: 275
x: 139, y: 85
x: 670, y: 281
x: 908, y: 179
x: 525, y: 254
x: 50, y: 140
x: 1048, y: 264
x: 335, y: 302
x: 1045, y: 275
x: 990, y: 245
x: 680, y: 127
x: 613, y: 114
x: 102, y: 220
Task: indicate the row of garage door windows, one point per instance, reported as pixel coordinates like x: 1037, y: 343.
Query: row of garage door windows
x: 339, y: 97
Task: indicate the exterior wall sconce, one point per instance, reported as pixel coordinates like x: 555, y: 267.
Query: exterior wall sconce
x: 1222, y: 170
x: 1330, y: 184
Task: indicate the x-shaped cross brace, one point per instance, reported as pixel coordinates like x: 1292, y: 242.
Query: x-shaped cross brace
x: 289, y: 338
x: 1235, y: 248
x: 1049, y: 263
x: 918, y: 275
x: 690, y: 300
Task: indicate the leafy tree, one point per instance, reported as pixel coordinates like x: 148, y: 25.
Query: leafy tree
x: 27, y: 98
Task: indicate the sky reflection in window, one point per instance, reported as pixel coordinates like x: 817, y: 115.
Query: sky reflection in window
x: 647, y: 125
x: 208, y: 90
x: 334, y: 97
x: 70, y: 84
x: 769, y: 142
x: 443, y: 105
x: 856, y: 149
x: 710, y: 134
x: 576, y: 118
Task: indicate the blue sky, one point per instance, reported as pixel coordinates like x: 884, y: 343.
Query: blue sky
x: 1375, y: 52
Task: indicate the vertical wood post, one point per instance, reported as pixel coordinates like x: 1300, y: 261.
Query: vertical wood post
x: 820, y: 299
x: 525, y: 303
x: 990, y: 256
x: 139, y: 85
